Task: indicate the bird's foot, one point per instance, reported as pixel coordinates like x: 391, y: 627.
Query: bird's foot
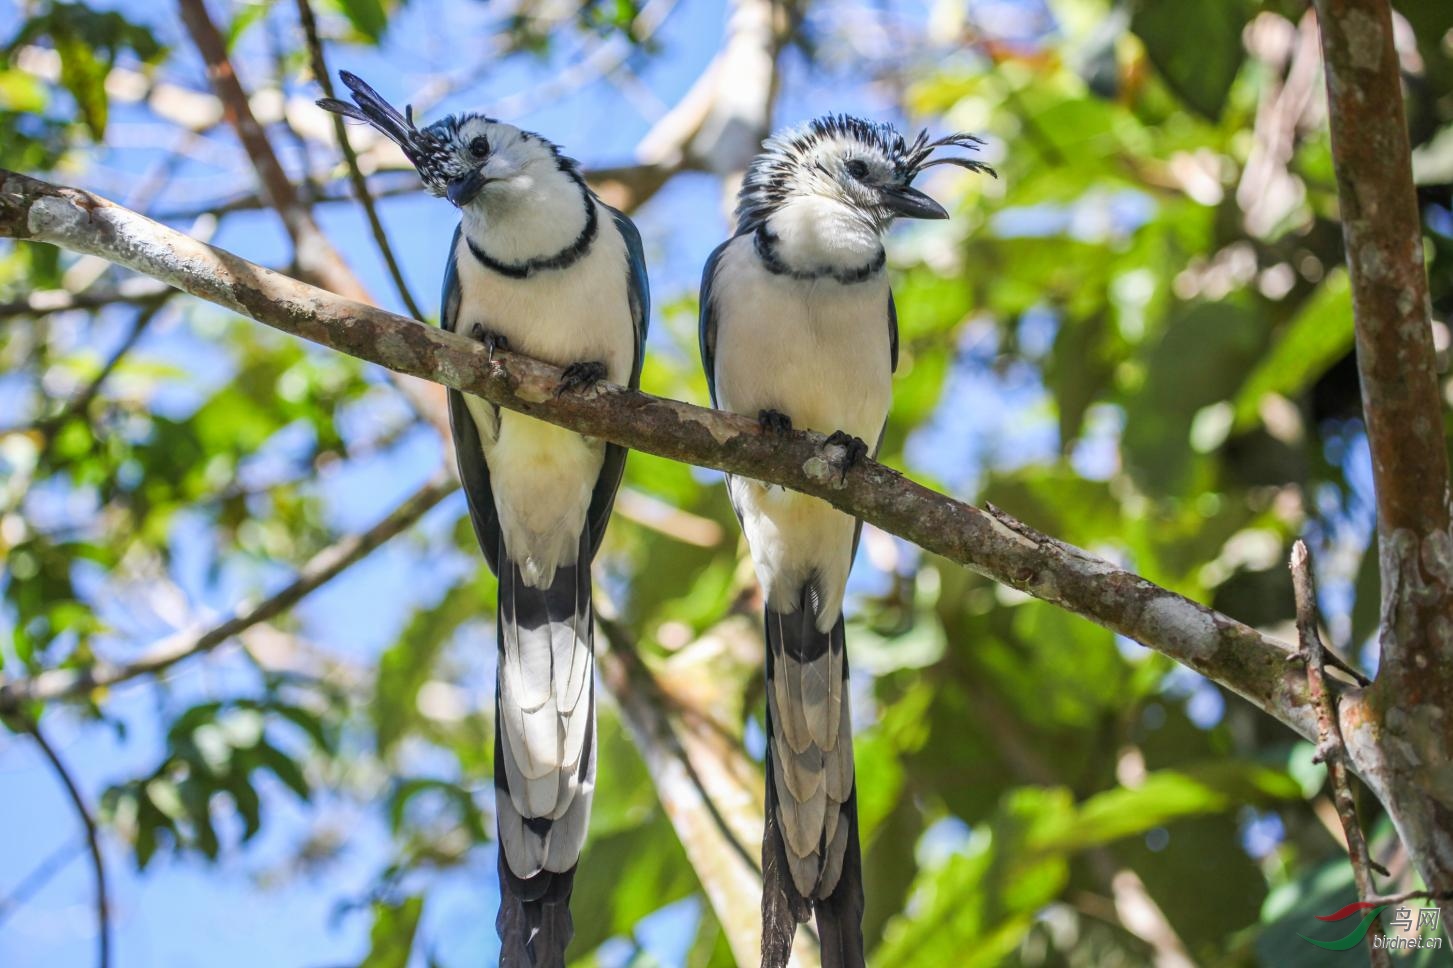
x: 774, y: 422
x: 578, y: 376
x: 492, y: 341
x: 853, y: 451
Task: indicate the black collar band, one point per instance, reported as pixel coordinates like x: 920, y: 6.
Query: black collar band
x: 563, y: 259
x: 765, y: 242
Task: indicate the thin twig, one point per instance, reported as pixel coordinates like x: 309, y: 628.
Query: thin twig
x: 93, y: 839
x: 1330, y: 749
x: 355, y: 173
x: 319, y: 570
x: 42, y: 302
x: 1410, y: 896
x: 81, y: 400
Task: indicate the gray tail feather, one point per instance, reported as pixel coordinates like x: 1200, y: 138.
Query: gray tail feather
x: 534, y: 922
x: 783, y: 908
x: 840, y: 914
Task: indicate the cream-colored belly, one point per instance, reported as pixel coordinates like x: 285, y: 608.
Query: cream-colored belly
x: 818, y: 352
x: 543, y: 476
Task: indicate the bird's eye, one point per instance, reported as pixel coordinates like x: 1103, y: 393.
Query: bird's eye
x: 858, y: 168
x: 479, y: 147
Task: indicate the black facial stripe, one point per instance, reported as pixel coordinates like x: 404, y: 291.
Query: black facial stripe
x: 765, y: 244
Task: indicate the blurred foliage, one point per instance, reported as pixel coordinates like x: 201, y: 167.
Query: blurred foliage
x: 1137, y: 339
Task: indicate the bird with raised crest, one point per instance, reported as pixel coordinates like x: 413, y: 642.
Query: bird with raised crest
x: 539, y: 265
x: 798, y: 329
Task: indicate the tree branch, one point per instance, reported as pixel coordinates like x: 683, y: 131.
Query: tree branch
x: 93, y: 838
x: 322, y: 568
x: 51, y: 865
x: 1330, y: 748
x: 995, y: 545
x: 315, y: 254
x: 1399, y: 734
x: 78, y: 403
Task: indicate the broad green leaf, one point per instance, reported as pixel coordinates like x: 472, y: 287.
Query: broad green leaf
x: 1196, y: 46
x: 367, y: 17
x: 1316, y: 338
x: 392, y: 936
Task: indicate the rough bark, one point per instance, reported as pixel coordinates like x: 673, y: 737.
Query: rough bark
x: 1216, y: 645
x: 1399, y: 732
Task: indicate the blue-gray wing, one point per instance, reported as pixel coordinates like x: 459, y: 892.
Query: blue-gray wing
x: 706, y: 330
x: 638, y: 289
x: 468, y: 452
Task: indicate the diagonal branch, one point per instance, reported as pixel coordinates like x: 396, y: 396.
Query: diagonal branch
x: 78, y: 403
x: 322, y: 568
x: 1215, y: 645
x: 315, y: 254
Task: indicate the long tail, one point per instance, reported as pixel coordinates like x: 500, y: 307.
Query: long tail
x: 544, y: 760
x: 810, y: 857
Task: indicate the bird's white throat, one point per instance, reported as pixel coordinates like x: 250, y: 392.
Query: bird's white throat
x: 535, y: 214
x: 812, y: 232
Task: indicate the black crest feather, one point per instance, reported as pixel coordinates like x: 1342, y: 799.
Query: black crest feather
x: 770, y: 177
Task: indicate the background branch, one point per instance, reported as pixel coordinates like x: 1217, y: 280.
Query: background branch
x: 355, y: 174
x: 322, y: 568
x: 93, y: 838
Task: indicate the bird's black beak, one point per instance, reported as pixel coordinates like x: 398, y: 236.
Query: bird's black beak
x: 465, y: 188
x: 908, y: 202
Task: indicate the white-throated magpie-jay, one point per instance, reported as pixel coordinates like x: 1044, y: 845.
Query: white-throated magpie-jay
x: 798, y: 329
x: 538, y: 264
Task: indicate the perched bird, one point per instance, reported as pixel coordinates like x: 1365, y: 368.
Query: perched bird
x: 540, y: 265
x: 798, y: 329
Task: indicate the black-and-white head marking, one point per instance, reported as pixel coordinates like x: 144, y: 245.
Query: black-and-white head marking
x: 844, y: 157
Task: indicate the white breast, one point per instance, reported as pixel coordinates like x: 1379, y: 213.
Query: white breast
x: 819, y: 352
x: 543, y: 476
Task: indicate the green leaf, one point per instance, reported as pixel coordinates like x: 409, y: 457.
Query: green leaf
x: 247, y: 15
x: 1168, y: 795
x: 975, y: 908
x: 367, y: 17
x: 1317, y: 337
x: 284, y: 767
x: 84, y: 75
x: 1195, y: 46
x: 392, y: 937
x: 406, y: 665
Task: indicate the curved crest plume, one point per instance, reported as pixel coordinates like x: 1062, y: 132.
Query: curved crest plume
x: 424, y: 149
x: 770, y: 176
